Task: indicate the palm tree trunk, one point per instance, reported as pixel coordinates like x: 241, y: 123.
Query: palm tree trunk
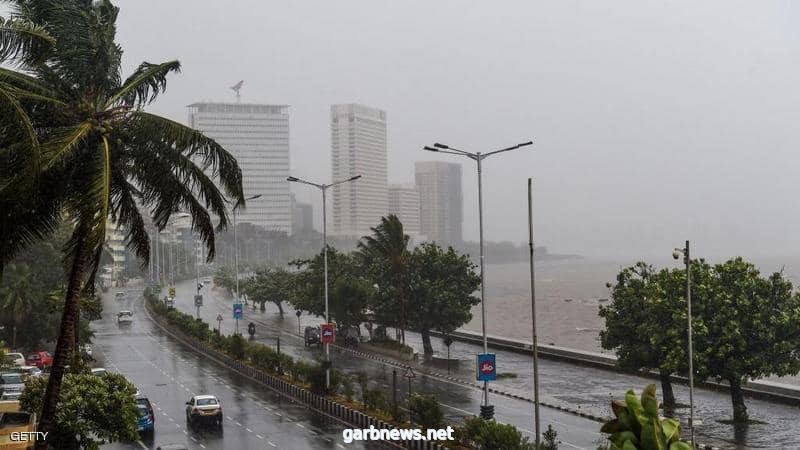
x: 65, y: 341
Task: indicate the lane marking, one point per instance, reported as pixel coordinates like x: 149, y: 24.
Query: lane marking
x: 260, y: 436
x: 270, y: 443
x: 248, y: 430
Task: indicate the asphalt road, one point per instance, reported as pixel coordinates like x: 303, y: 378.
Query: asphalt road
x: 458, y: 401
x: 169, y: 374
x: 576, y: 387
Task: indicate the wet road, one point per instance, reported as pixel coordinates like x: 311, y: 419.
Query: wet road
x: 576, y: 387
x: 169, y: 374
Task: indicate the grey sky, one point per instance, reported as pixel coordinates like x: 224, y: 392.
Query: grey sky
x: 653, y: 121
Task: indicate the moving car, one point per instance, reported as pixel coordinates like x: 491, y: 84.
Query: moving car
x: 311, y: 336
x: 147, y: 419
x: 119, y: 296
x: 11, y: 385
x: 204, y: 408
x: 124, y: 317
x: 99, y: 371
x: 39, y: 359
x: 16, y: 358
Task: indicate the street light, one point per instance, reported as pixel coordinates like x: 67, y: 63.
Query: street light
x: 687, y: 260
x: 236, y: 251
x: 487, y: 411
x: 324, y: 189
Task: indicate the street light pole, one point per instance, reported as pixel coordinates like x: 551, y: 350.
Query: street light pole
x: 324, y: 189
x: 487, y: 411
x: 236, y: 253
x: 688, y: 261
x: 533, y: 317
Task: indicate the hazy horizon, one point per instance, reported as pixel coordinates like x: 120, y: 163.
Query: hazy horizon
x: 652, y: 123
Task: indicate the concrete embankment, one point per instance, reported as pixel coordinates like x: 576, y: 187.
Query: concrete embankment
x: 766, y: 390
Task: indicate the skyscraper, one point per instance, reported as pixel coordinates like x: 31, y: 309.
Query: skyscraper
x: 258, y: 137
x: 404, y: 203
x: 358, y: 144
x: 441, y: 205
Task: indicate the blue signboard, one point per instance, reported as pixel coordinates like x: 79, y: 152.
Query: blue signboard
x: 237, y: 310
x: 486, y: 367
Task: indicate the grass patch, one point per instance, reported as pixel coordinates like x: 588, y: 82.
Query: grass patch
x: 504, y: 375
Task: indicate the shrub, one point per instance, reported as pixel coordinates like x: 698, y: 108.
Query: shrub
x: 490, y: 435
x: 426, y: 411
x: 375, y: 400
x: 237, y: 346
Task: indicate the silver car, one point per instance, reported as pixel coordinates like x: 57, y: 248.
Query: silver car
x: 11, y: 384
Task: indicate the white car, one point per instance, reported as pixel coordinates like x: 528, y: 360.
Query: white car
x: 204, y: 408
x: 119, y: 295
x: 29, y: 372
x: 124, y: 317
x: 99, y: 371
x: 17, y: 358
x: 11, y: 384
x: 87, y: 349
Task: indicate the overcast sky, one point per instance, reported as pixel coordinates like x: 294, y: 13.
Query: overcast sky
x: 653, y: 121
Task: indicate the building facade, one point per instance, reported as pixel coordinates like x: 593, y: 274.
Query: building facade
x: 441, y: 203
x: 358, y: 147
x: 258, y: 137
x: 404, y: 203
x: 302, y: 217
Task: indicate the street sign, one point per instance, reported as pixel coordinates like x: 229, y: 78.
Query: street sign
x: 237, y: 310
x: 487, y: 367
x: 409, y: 373
x: 172, y: 292
x: 198, y: 300
x: 328, y: 332
x: 219, y: 317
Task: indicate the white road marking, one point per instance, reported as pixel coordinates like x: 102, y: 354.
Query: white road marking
x: 270, y: 443
x: 260, y: 436
x: 300, y: 425
x: 249, y: 430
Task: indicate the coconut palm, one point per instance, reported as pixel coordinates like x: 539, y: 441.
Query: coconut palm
x: 17, y: 297
x: 386, y: 255
x: 100, y: 155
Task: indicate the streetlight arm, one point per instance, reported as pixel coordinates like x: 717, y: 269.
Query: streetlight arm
x: 440, y: 147
x: 459, y: 153
x: 299, y: 180
x: 524, y: 144
x: 344, y: 181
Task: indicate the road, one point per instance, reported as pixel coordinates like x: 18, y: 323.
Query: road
x: 576, y: 387
x: 457, y: 400
x: 168, y: 374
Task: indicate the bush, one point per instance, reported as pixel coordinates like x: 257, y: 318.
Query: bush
x: 237, y: 346
x: 375, y: 400
x: 490, y: 435
x: 426, y: 411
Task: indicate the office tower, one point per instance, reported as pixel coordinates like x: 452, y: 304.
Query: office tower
x: 258, y: 137
x: 440, y: 200
x: 404, y: 203
x: 302, y: 217
x: 358, y: 143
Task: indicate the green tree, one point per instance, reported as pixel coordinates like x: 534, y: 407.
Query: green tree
x: 270, y: 285
x: 441, y: 291
x: 18, y: 296
x: 225, y: 278
x: 490, y: 435
x: 100, y: 156
x: 93, y: 409
x: 749, y: 329
x: 426, y: 411
x: 386, y: 256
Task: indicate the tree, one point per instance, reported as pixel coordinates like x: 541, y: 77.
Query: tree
x: 426, y: 411
x: 748, y: 329
x: 93, y: 409
x: 18, y: 296
x: 385, y: 255
x: 99, y: 156
x: 270, y: 285
x: 346, y: 283
x: 490, y: 435
x: 441, y: 291
x: 225, y: 278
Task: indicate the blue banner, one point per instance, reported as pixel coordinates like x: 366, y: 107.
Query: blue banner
x: 487, y: 367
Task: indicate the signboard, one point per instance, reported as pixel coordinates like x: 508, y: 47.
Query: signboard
x: 198, y: 300
x: 237, y: 311
x: 409, y: 373
x: 172, y: 292
x: 219, y: 317
x: 328, y: 333
x: 487, y: 367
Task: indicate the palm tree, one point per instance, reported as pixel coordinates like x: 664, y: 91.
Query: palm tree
x: 101, y: 155
x: 16, y: 297
x: 386, y: 254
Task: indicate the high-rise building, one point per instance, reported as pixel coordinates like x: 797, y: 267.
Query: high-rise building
x: 302, y: 217
x: 441, y: 204
x: 258, y: 137
x: 404, y: 203
x: 358, y: 143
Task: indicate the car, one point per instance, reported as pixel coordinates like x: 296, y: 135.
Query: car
x: 207, y: 280
x: 16, y: 358
x: 87, y: 349
x: 311, y: 336
x: 169, y: 302
x: 39, y: 359
x: 99, y: 371
x: 28, y: 372
x: 11, y: 384
x: 147, y: 419
x: 119, y: 295
x: 204, y: 408
x: 124, y: 317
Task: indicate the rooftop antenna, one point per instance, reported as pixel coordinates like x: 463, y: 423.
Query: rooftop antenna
x: 236, y: 87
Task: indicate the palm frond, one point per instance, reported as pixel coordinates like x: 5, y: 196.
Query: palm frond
x: 145, y: 84
x: 125, y: 212
x: 64, y: 143
x: 24, y: 42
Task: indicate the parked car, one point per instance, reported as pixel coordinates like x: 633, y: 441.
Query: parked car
x: 11, y: 385
x: 28, y: 372
x: 311, y: 336
x: 119, y: 296
x: 39, y: 359
x: 16, y: 358
x: 87, y: 349
x: 125, y: 317
x: 147, y: 419
x: 207, y: 281
x: 204, y: 408
x: 99, y: 371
